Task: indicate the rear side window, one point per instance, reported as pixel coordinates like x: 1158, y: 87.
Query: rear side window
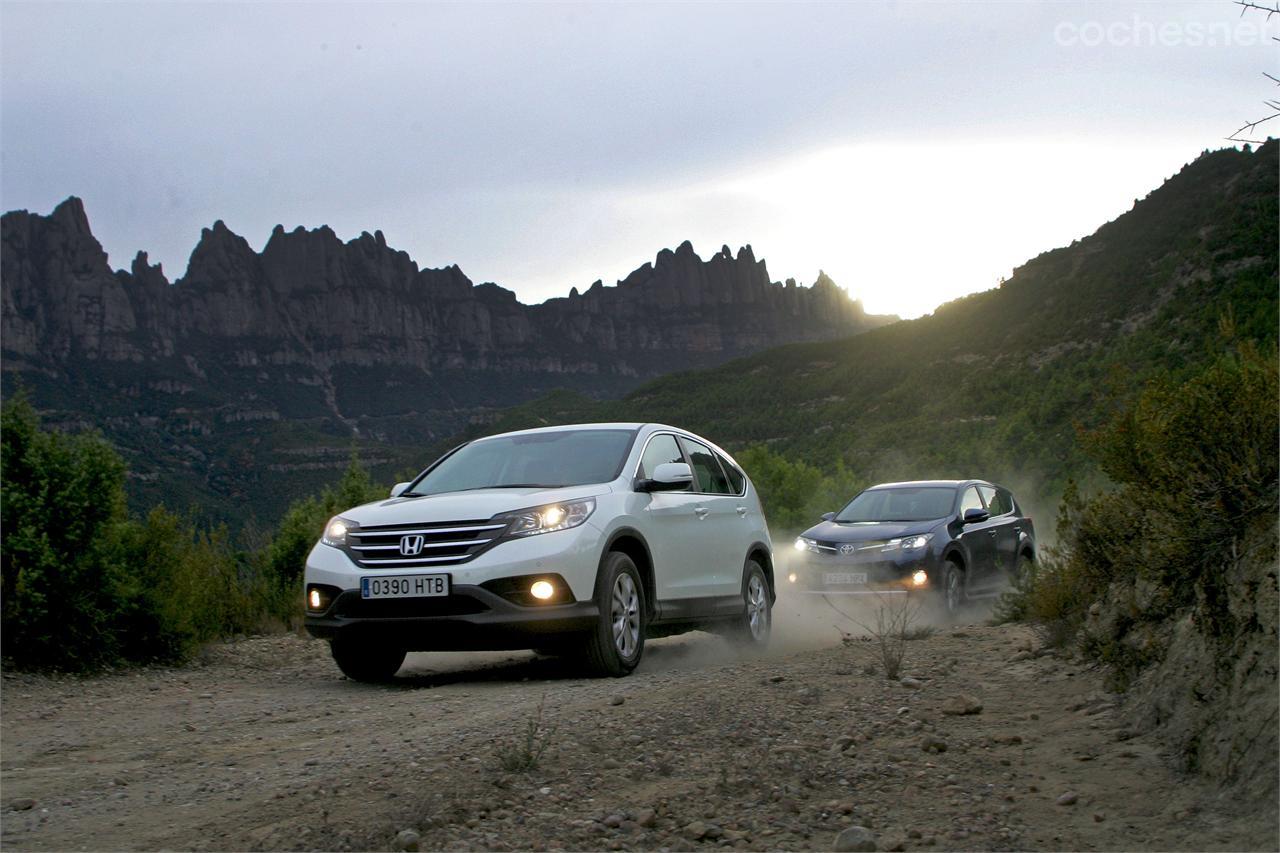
x: 736, y: 480
x: 999, y: 501
x: 662, y: 448
x: 707, y: 475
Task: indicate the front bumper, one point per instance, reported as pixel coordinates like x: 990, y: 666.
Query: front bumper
x: 473, y: 616
x: 470, y: 618
x: 822, y: 575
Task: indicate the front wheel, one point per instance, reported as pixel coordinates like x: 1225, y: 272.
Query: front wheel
x: 953, y: 598
x: 616, y: 643
x: 363, y: 660
x: 753, y: 628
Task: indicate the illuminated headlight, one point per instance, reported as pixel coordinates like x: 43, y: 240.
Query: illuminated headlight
x: 910, y: 543
x: 791, y: 578
x: 335, y: 532
x: 551, y: 517
x: 805, y: 544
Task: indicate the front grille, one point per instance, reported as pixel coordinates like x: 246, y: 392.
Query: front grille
x: 861, y: 547
x: 444, y: 544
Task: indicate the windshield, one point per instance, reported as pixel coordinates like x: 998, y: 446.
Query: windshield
x: 543, y: 459
x: 901, y: 504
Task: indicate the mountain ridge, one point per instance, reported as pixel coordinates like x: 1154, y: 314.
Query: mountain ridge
x: 313, y: 341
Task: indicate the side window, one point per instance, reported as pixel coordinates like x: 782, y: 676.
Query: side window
x: 970, y: 500
x: 988, y: 497
x: 662, y: 448
x: 999, y: 502
x: 736, y: 480
x: 707, y: 476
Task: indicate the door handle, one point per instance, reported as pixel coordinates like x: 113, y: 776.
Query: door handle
x: 700, y: 512
x: 991, y: 533
x: 742, y: 511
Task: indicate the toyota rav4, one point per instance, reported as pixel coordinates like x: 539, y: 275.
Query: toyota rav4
x: 580, y: 540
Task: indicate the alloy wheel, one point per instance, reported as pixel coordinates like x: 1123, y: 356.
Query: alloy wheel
x: 757, y: 607
x: 625, y: 614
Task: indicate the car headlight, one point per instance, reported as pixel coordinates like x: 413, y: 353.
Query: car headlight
x: 549, y: 517
x: 335, y: 532
x: 804, y: 543
x: 910, y: 543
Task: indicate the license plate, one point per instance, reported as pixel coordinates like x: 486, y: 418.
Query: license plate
x: 837, y: 578
x: 404, y: 586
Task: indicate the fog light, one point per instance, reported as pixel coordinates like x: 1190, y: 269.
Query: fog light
x: 542, y: 590
x: 791, y: 578
x: 314, y: 601
x: 919, y: 578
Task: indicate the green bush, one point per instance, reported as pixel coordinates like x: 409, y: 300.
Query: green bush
x: 795, y: 494
x: 85, y: 586
x: 1196, y: 473
x: 304, y: 521
x: 61, y: 500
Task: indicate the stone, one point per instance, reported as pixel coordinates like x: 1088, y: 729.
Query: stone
x: 959, y: 706
x: 22, y: 804
x: 855, y: 839
x: 910, y: 682
x: 932, y: 743
x: 1068, y: 799
x: 694, y: 831
x: 613, y: 821
x: 407, y: 840
x: 646, y: 817
x: 617, y: 700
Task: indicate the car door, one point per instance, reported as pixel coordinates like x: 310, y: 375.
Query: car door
x: 720, y: 522
x: 1004, y: 523
x: 979, y: 540
x: 673, y: 528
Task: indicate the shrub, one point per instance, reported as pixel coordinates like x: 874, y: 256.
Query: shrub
x: 794, y: 493
x: 304, y: 521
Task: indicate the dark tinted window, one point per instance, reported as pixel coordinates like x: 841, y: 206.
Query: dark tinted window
x: 908, y: 503
x: 736, y: 480
x: 662, y: 448
x: 563, y: 458
x: 707, y: 476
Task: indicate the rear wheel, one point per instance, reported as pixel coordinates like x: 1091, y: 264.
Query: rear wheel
x: 753, y: 627
x: 615, y: 645
x: 364, y: 660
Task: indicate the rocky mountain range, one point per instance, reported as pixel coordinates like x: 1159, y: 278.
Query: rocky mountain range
x: 277, y: 360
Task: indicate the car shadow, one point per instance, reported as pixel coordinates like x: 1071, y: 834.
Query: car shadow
x: 429, y: 670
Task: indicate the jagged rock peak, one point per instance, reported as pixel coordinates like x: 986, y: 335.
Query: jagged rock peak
x: 70, y: 214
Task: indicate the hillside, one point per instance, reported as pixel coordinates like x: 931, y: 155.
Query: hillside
x: 994, y: 384
x: 247, y: 382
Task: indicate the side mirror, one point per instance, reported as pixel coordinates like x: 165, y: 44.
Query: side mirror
x: 973, y: 516
x: 827, y: 516
x: 398, y: 489
x: 667, y: 477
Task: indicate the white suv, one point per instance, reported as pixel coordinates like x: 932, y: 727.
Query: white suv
x: 578, y: 539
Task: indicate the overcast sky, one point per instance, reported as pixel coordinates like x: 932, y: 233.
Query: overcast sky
x: 915, y: 151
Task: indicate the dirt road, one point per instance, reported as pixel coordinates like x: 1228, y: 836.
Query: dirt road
x: 264, y: 745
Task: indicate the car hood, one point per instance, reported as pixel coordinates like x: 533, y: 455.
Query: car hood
x: 830, y: 531
x: 463, y: 506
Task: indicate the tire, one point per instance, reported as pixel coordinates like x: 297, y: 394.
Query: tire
x: 952, y: 592
x: 614, y: 647
x: 362, y: 660
x: 1022, y: 572
x: 753, y: 628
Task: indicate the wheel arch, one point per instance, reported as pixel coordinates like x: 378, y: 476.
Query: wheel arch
x: 762, y: 554
x: 631, y: 542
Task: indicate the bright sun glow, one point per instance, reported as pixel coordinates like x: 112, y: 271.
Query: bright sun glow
x: 907, y: 227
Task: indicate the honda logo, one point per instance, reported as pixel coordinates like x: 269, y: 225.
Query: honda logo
x: 411, y: 546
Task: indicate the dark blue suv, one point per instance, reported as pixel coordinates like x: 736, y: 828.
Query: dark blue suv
x: 959, y: 539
